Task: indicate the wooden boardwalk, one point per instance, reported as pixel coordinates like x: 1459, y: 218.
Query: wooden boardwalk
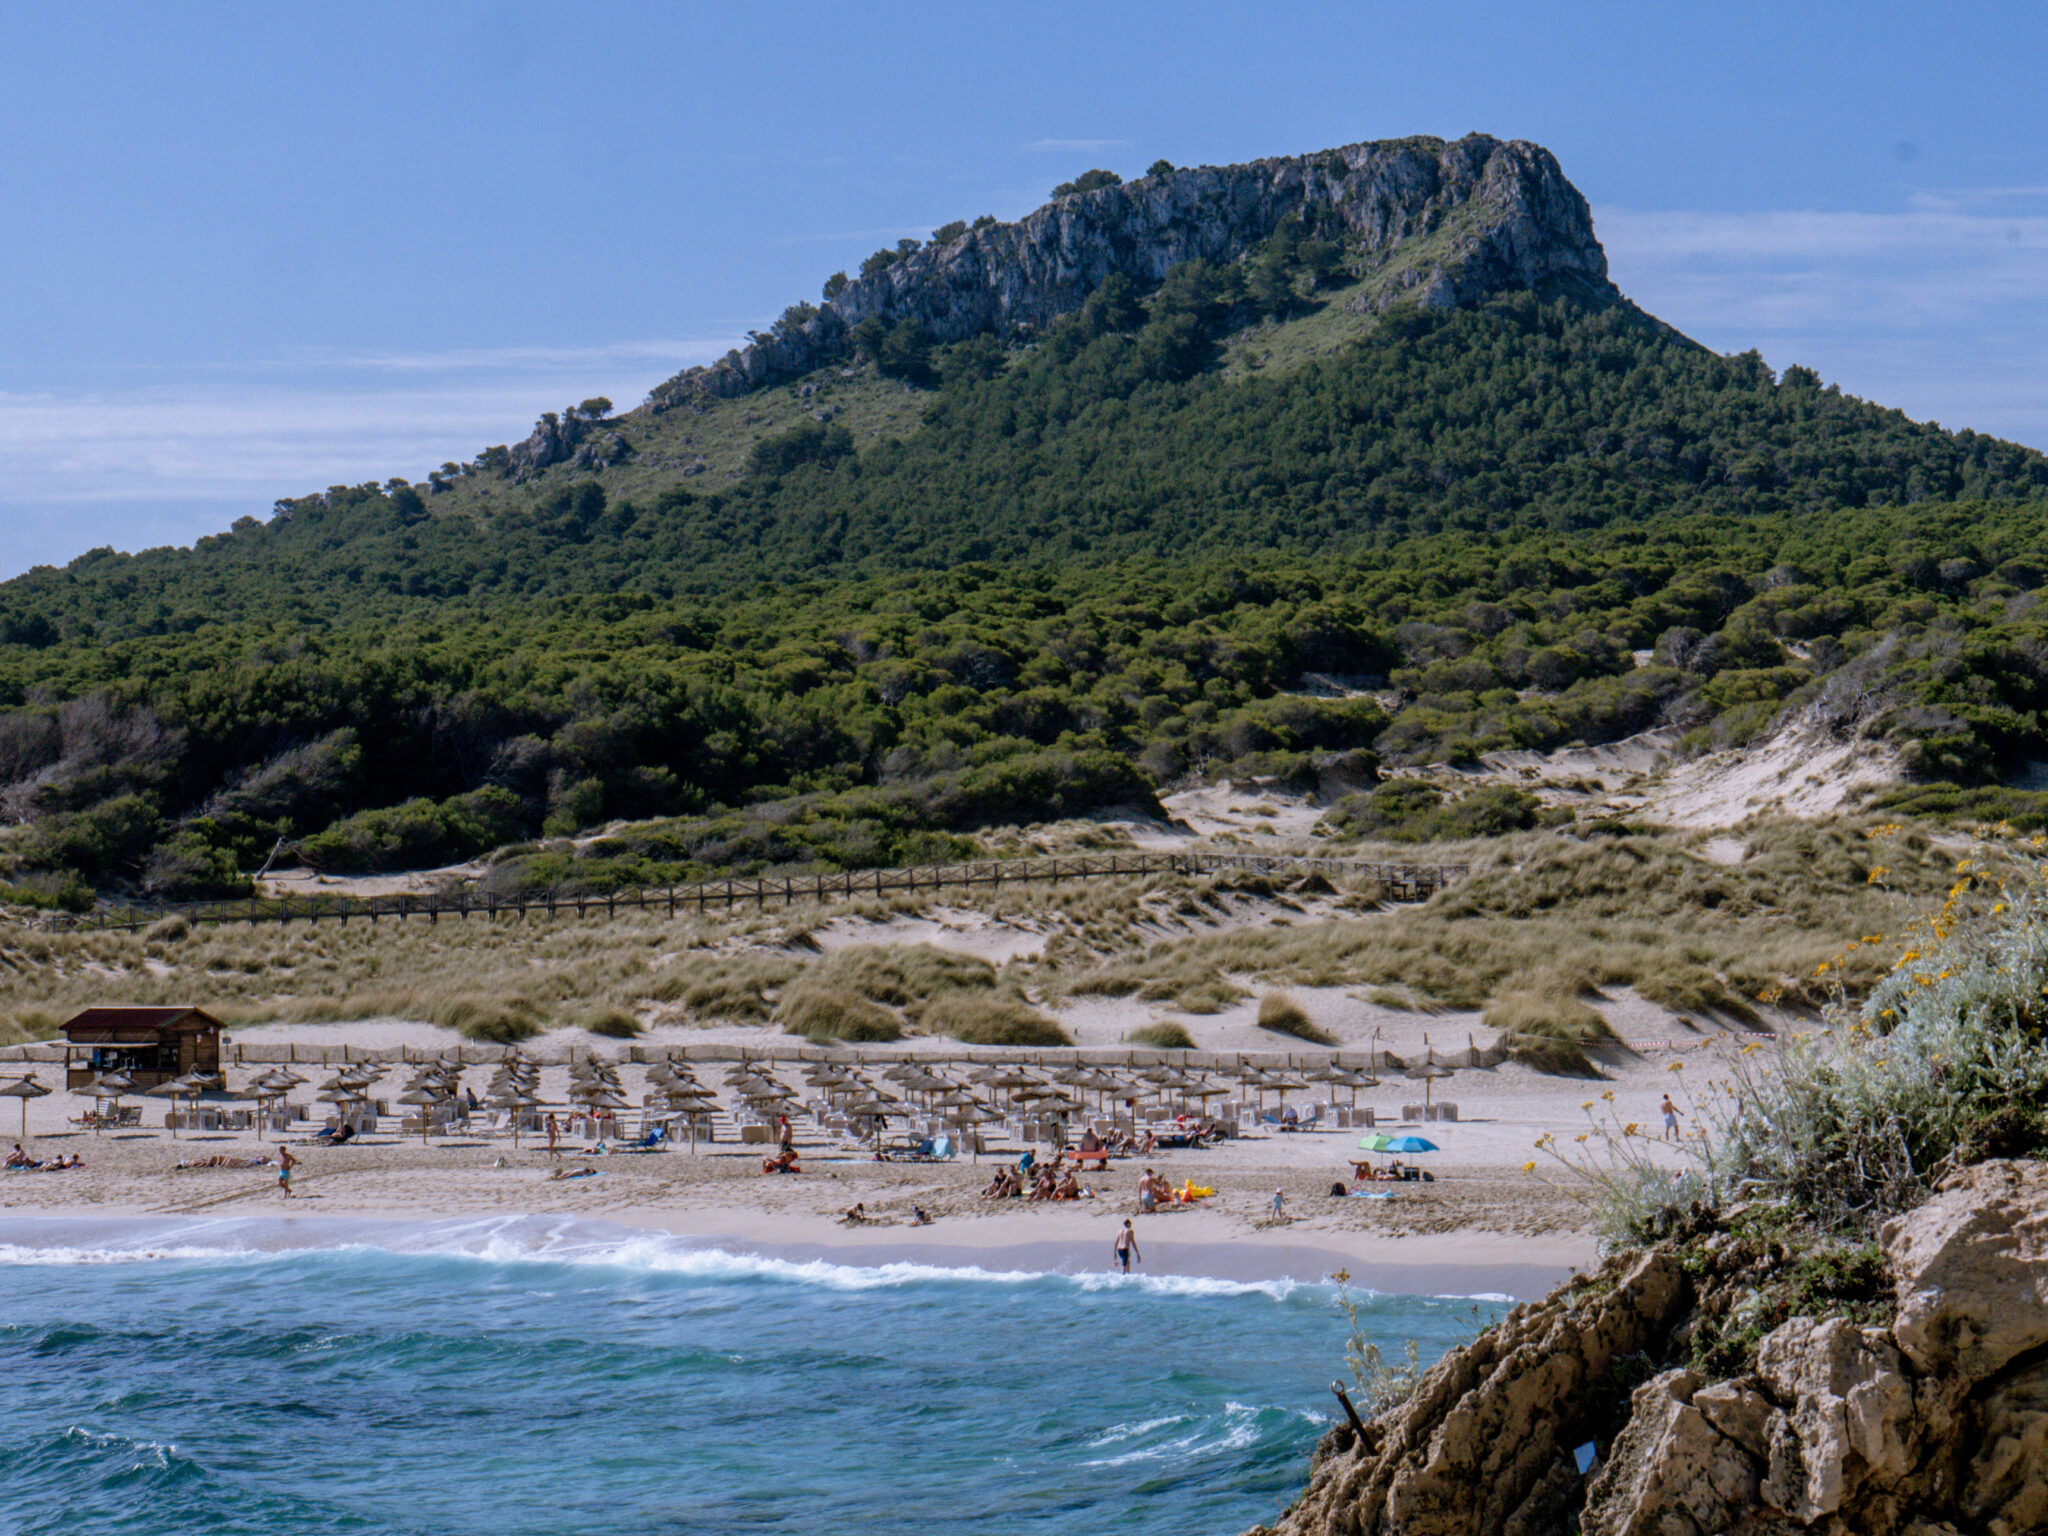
x: 1402, y: 882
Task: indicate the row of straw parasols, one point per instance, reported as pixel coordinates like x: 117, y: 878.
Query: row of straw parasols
x: 892, y: 1093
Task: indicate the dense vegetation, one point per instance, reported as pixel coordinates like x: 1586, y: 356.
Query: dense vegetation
x: 1100, y: 565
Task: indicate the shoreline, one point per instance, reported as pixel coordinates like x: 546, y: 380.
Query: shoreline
x: 1190, y: 1245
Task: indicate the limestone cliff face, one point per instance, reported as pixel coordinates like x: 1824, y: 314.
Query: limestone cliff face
x: 1475, y: 217
x: 1935, y: 1426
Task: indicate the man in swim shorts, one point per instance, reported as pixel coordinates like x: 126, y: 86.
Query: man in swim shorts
x: 1127, y: 1246
x: 285, y: 1164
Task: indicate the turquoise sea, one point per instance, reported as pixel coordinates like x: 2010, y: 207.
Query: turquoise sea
x: 521, y: 1376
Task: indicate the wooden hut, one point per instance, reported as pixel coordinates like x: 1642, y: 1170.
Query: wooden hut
x: 151, y: 1045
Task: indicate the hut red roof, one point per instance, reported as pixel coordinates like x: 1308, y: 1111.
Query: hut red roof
x: 99, y: 1022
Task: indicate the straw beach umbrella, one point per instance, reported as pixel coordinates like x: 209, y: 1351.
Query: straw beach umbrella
x: 690, y: 1100
x: 879, y: 1110
x: 1429, y: 1072
x: 24, y: 1089
x: 177, y: 1088
x: 513, y: 1099
x: 108, y: 1088
x: 426, y: 1095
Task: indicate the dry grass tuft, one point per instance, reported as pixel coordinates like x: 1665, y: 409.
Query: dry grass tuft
x: 486, y: 1019
x: 820, y: 1014
x: 613, y: 1024
x: 900, y: 975
x: 1549, y: 1031
x: 1400, y: 999
x: 1543, y: 914
x: 1162, y: 1035
x: 990, y: 1018
x: 1283, y: 1015
x: 1546, y: 913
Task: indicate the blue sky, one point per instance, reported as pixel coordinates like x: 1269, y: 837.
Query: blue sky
x: 250, y: 251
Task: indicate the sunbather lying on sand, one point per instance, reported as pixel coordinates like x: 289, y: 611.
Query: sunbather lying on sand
x: 223, y: 1160
x: 566, y: 1173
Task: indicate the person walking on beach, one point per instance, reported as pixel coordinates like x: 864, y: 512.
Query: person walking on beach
x: 554, y: 1135
x: 285, y: 1164
x: 1670, y: 1119
x: 1127, y: 1246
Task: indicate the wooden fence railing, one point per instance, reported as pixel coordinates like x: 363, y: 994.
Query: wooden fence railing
x: 1402, y: 882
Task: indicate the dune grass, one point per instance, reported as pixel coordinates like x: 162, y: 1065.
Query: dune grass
x: 613, y: 1024
x: 1284, y: 1016
x: 1543, y: 913
x: 1162, y: 1035
x: 821, y: 1013
x: 1550, y: 1031
x: 1556, y: 915
x: 989, y: 1018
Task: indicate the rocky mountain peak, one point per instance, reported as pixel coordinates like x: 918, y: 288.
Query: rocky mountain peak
x: 1441, y: 224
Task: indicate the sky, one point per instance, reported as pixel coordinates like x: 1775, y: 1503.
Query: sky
x: 250, y: 251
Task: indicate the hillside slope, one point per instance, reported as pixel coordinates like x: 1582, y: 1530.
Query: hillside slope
x: 1057, y: 513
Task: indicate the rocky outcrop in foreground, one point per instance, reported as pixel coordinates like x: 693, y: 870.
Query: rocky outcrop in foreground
x: 1479, y: 217
x: 1934, y: 1426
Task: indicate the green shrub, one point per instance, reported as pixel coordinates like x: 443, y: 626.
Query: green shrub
x: 1088, y: 181
x: 1853, y: 1126
x: 808, y: 442
x: 1416, y: 811
x: 47, y: 895
x: 2024, y: 809
x: 187, y: 867
x: 113, y: 836
x: 1283, y: 1015
x: 418, y: 833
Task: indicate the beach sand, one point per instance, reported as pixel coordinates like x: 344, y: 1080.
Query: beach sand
x: 1484, y: 1226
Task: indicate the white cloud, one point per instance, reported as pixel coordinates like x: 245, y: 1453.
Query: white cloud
x: 1928, y: 309
x: 901, y: 232
x: 675, y: 354
x: 169, y: 460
